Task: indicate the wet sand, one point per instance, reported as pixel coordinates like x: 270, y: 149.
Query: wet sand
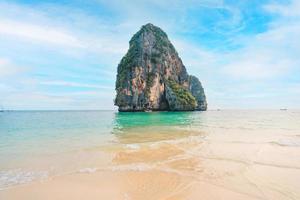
x: 182, y: 165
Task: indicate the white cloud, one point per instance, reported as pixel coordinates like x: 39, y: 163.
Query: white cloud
x: 41, y: 33
x: 289, y: 10
x: 58, y: 37
x: 74, y: 84
x: 33, y: 99
x: 194, y: 56
x: 75, y: 34
x: 8, y: 69
x: 36, y: 27
x: 270, y: 54
x: 255, y: 64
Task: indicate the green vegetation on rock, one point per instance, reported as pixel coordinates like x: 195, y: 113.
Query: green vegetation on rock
x: 182, y: 94
x: 149, y: 82
x: 127, y: 62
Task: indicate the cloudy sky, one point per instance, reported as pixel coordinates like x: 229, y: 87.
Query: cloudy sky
x: 64, y: 54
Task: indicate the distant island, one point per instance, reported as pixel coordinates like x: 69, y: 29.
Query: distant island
x: 152, y: 77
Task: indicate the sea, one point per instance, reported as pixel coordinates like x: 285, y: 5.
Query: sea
x: 253, y: 152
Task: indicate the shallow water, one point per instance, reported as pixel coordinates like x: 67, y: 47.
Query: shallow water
x: 252, y: 154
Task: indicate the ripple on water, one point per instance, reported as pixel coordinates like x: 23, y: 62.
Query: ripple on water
x: 9, y: 178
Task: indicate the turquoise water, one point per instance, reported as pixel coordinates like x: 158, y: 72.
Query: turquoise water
x: 37, y: 144
x: 39, y: 132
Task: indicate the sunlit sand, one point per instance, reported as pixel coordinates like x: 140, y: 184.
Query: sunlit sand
x: 180, y: 165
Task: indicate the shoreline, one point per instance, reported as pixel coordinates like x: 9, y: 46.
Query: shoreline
x: 180, y: 156
x: 186, y: 168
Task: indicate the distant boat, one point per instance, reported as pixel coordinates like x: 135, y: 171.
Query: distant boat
x: 284, y: 109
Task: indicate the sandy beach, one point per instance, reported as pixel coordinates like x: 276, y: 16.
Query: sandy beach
x: 217, y: 164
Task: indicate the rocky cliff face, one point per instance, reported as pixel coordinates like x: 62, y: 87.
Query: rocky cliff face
x: 151, y: 76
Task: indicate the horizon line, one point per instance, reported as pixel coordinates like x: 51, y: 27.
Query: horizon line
x: 62, y: 110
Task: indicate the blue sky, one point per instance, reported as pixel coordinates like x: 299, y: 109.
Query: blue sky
x: 64, y: 54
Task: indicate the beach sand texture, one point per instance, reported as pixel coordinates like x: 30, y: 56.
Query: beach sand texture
x: 173, y: 163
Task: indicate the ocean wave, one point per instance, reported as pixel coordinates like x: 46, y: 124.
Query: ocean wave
x: 88, y: 170
x: 133, y: 167
x: 287, y: 143
x: 133, y: 146
x: 11, y: 178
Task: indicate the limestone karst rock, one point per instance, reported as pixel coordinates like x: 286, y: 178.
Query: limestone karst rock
x: 152, y: 77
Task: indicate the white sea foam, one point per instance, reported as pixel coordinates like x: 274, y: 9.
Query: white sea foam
x: 88, y: 170
x: 288, y: 142
x: 10, y: 178
x: 132, y: 167
x: 133, y: 146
